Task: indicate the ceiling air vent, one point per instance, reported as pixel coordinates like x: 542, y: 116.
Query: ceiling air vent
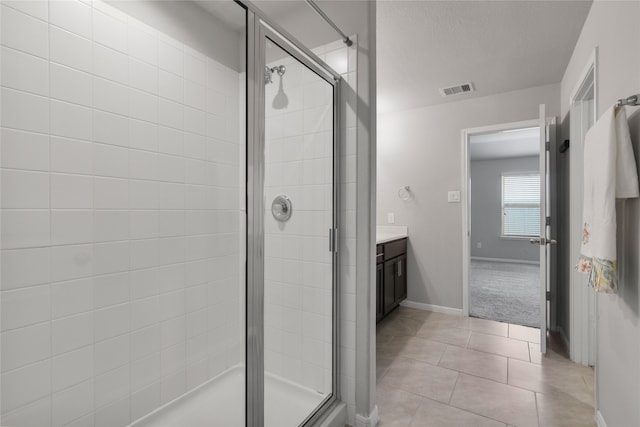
x: 454, y: 90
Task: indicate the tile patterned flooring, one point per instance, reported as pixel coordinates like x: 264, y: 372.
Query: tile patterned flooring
x: 439, y: 370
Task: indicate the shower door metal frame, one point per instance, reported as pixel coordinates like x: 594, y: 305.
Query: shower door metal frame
x: 259, y: 29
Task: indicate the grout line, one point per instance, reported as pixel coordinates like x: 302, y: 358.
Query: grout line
x: 535, y: 397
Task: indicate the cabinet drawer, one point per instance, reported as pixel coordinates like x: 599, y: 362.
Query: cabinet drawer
x: 395, y: 248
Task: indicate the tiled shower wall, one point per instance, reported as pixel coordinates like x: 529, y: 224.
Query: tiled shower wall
x: 120, y: 216
x: 298, y: 298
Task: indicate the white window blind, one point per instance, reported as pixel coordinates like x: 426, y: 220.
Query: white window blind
x: 521, y: 205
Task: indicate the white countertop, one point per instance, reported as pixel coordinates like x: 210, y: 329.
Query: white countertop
x: 388, y: 233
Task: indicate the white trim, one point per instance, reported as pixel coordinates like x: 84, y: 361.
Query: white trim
x: 600, y: 419
x: 563, y: 337
x: 512, y: 261
x: 431, y: 307
x: 464, y: 195
x: 370, y: 421
x: 337, y: 417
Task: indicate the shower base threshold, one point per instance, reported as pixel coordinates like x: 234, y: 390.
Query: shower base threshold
x: 220, y: 403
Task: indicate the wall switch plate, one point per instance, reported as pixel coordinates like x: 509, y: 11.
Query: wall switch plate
x: 391, y: 218
x: 453, y: 196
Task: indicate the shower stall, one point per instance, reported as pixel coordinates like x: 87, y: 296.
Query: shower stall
x: 169, y: 217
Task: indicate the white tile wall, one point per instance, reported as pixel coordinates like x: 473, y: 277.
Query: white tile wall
x: 120, y: 182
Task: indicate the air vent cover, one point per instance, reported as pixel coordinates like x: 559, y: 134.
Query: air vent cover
x: 454, y: 90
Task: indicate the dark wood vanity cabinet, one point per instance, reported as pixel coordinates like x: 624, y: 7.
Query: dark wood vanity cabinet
x: 391, y: 277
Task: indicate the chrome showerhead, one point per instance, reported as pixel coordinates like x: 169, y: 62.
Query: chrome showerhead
x: 268, y: 72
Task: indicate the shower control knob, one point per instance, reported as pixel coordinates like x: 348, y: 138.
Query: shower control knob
x: 281, y: 208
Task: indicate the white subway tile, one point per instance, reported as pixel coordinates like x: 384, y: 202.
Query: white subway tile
x: 25, y: 72
x: 110, y: 128
x: 26, y: 345
x: 70, y: 85
x: 143, y: 45
x: 33, y: 414
x: 172, y: 304
x: 143, y: 106
x: 195, y: 95
x: 143, y: 165
x: 71, y: 192
x: 112, y: 386
x: 25, y: 385
x: 143, y: 135
x: 25, y: 229
x: 17, y: 267
x: 195, y: 121
x: 71, y: 333
x: 109, y: 31
x: 172, y: 196
x: 172, y: 277
x: 23, y: 32
x: 36, y: 8
x: 145, y: 342
x: 70, y: 120
x: 170, y: 86
x: 72, y: 297
x: 21, y: 110
x: 111, y: 257
x: 170, y: 114
x: 110, y: 64
x: 170, y: 168
x: 71, y: 368
x: 25, y: 190
x: 69, y: 49
x: 71, y: 156
x: 216, y: 102
x: 111, y: 289
x: 145, y: 312
x: 71, y: 227
x: 110, y: 225
x: 143, y: 76
x: 71, y: 262
x: 72, y: 15
x: 173, y: 359
x: 145, y: 372
x: 195, y: 67
x: 170, y: 58
x: 112, y: 322
x: 143, y: 194
x: 110, y: 193
x: 89, y: 419
x: 170, y: 141
x: 23, y: 307
x: 144, y: 254
x: 145, y: 401
x: 144, y: 224
x: 110, y: 161
x: 24, y: 150
x: 110, y: 96
x: 115, y: 414
x: 144, y: 283
x: 111, y: 354
x: 72, y: 403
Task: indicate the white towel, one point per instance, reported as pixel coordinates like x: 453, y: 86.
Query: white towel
x: 609, y: 173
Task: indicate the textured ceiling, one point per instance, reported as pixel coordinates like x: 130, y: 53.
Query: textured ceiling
x: 506, y: 144
x: 500, y: 46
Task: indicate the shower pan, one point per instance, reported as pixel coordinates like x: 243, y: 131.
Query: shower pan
x: 169, y: 217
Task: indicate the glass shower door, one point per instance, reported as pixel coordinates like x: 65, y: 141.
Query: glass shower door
x: 299, y: 231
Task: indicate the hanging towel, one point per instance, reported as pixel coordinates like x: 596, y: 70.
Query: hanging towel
x: 609, y: 173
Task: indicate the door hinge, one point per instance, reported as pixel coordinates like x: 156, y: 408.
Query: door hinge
x: 547, y: 146
x: 548, y: 295
x: 548, y: 221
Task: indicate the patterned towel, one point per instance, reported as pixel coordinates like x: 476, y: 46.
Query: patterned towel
x: 609, y: 173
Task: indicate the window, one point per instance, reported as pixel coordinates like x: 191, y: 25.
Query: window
x: 521, y: 205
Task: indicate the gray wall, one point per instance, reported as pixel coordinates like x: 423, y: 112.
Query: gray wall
x: 486, y: 207
x: 422, y: 148
x: 612, y: 27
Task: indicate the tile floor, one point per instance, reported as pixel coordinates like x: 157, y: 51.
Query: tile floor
x: 435, y: 369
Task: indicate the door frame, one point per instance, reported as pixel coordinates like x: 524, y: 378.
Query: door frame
x: 465, y: 196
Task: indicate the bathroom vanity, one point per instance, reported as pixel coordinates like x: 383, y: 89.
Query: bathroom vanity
x: 391, y: 272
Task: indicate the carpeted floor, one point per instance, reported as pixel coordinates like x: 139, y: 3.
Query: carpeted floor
x: 506, y: 292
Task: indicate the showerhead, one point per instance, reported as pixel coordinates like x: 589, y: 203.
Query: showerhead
x: 268, y: 72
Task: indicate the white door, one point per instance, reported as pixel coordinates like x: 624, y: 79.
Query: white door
x: 545, y: 229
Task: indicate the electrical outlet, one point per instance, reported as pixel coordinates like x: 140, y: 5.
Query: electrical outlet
x: 391, y: 218
x: 479, y: 245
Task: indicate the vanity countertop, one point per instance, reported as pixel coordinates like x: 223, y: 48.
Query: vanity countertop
x: 389, y: 233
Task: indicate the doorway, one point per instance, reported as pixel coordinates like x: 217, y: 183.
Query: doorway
x: 504, y: 205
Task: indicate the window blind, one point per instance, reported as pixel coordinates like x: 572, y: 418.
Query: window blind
x: 521, y: 205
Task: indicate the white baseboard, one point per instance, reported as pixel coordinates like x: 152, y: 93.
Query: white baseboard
x: 431, y: 307
x: 600, y: 419
x: 370, y: 421
x: 512, y: 261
